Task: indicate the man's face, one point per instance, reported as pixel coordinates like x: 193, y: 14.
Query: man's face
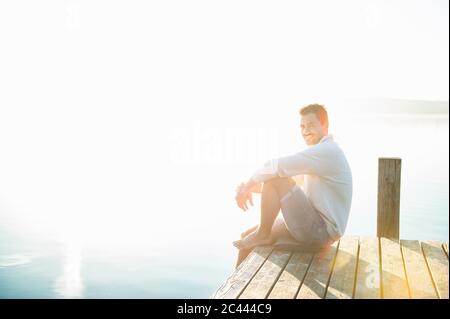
x: 312, y: 129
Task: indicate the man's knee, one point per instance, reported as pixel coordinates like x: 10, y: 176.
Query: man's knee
x: 278, y: 182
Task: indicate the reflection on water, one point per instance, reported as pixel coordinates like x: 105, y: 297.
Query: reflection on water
x: 70, y: 284
x: 14, y: 260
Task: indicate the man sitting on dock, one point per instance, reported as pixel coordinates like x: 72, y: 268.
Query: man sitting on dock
x: 314, y: 215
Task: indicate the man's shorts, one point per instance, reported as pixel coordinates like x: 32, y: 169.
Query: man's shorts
x: 303, y: 221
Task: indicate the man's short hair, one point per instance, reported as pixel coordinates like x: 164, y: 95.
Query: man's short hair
x: 319, y: 110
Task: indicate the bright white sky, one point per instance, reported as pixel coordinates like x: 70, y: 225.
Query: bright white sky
x: 392, y: 48
x: 91, y: 90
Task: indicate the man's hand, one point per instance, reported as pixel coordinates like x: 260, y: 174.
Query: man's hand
x: 242, y: 197
x: 244, y: 194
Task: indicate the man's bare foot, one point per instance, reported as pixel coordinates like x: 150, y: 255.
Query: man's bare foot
x: 324, y: 250
x: 253, y: 239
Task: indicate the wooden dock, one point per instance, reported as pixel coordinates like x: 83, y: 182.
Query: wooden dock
x: 358, y: 268
x: 354, y: 267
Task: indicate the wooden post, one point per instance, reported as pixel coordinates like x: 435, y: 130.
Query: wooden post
x: 388, y: 206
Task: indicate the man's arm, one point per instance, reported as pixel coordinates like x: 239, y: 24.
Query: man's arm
x: 256, y: 187
x: 299, y: 179
x: 308, y: 161
x: 313, y: 160
x: 250, y: 187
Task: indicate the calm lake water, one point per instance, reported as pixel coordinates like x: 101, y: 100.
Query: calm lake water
x: 158, y: 222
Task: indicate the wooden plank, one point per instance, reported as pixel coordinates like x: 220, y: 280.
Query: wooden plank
x: 417, y: 274
x: 393, y: 278
x: 437, y: 262
x: 368, y: 272
x: 388, y: 202
x: 344, y: 271
x: 236, y: 283
x: 292, y: 277
x: 316, y: 281
x: 262, y: 283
